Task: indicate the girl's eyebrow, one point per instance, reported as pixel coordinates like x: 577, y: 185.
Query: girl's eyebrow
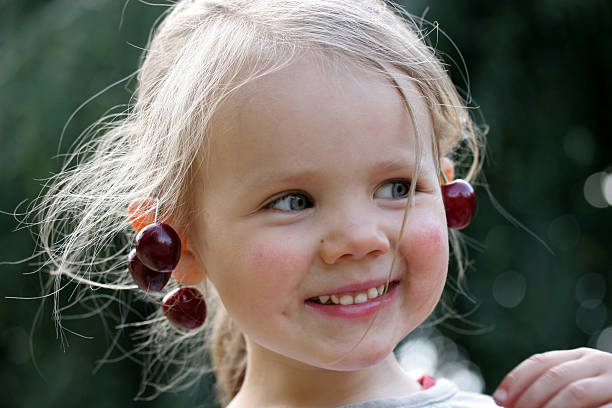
x: 395, y: 164
x: 274, y: 176
x: 271, y: 175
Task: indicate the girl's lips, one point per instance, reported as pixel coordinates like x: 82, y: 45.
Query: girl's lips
x: 355, y: 311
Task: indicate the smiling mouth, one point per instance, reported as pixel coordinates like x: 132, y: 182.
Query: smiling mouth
x: 352, y: 298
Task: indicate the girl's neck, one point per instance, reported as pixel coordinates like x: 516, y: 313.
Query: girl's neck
x: 273, y: 381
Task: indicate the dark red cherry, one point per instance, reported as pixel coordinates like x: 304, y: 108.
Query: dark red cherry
x: 158, y: 247
x: 146, y: 279
x: 459, y: 202
x: 185, y: 308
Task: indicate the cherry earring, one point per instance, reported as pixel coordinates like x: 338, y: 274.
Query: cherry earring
x: 156, y: 254
x: 459, y: 202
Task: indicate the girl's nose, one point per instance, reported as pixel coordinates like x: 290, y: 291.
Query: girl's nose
x: 354, y: 241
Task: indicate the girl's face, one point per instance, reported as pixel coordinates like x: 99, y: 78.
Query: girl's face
x: 303, y: 198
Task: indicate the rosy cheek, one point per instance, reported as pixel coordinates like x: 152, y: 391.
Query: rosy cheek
x: 425, y: 251
x: 275, y: 273
x: 279, y: 264
x: 426, y: 237
x: 425, y: 248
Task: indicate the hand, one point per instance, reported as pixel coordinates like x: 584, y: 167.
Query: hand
x: 580, y: 378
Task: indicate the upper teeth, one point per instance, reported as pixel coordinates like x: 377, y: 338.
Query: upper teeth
x: 349, y: 299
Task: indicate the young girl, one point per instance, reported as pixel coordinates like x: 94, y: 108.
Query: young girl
x: 296, y: 148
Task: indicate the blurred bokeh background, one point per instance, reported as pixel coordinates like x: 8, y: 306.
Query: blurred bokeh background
x: 540, y: 72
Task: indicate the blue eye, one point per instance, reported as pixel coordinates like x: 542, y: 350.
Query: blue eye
x: 291, y: 202
x: 397, y: 189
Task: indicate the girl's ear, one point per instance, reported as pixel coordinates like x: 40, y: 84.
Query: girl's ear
x: 189, y: 270
x: 448, y: 168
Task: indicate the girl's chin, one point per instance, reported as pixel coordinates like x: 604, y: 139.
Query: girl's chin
x: 358, y: 359
x: 357, y: 354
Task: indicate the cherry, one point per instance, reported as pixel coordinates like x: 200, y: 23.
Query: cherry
x: 459, y: 202
x: 185, y: 307
x: 147, y: 279
x: 158, y: 247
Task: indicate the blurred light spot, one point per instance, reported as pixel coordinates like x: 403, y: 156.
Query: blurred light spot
x: 579, y: 146
x: 440, y: 357
x: 447, y: 349
x: 594, y: 191
x: 604, y: 341
x: 464, y: 374
x: 564, y: 232
x: 418, y: 357
x: 509, y: 289
x: 590, y: 290
x: 591, y: 321
x: 607, y: 188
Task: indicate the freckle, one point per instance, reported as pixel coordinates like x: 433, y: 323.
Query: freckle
x: 321, y: 241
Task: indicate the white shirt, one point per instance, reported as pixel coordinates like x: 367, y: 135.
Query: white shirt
x: 444, y: 394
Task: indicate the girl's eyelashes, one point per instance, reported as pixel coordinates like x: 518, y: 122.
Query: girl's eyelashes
x: 296, y: 201
x: 291, y: 202
x: 394, y: 189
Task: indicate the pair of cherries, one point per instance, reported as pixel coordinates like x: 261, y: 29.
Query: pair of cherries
x: 156, y: 254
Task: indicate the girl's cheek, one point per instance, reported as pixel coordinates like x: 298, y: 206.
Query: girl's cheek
x: 260, y: 277
x: 425, y: 247
x: 425, y: 251
x: 265, y: 259
x: 277, y: 262
x: 425, y: 235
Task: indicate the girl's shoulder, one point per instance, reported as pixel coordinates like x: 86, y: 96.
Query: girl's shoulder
x: 444, y: 394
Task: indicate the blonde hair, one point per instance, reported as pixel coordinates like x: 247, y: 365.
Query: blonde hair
x: 202, y: 52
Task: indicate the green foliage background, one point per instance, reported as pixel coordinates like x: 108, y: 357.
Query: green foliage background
x: 539, y: 70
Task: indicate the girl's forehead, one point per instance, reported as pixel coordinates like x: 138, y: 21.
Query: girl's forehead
x: 316, y: 85
x: 292, y: 119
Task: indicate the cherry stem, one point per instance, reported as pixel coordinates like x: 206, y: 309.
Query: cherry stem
x: 443, y: 176
x: 156, y: 210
